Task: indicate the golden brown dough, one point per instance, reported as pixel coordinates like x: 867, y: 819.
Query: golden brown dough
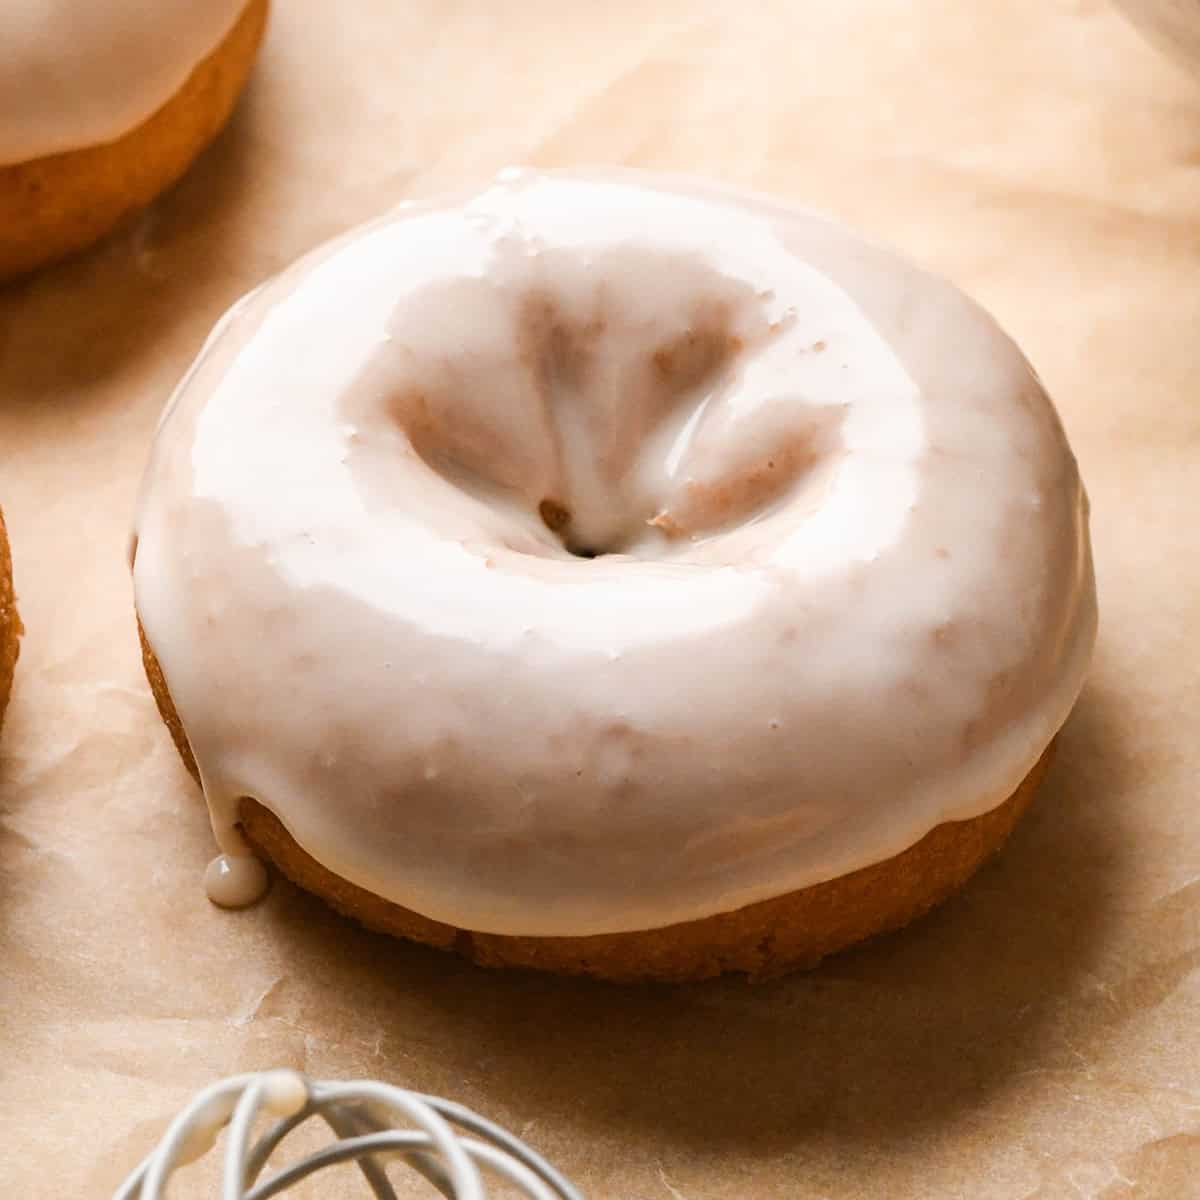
x: 792, y: 931
x: 10, y: 622
x: 53, y: 206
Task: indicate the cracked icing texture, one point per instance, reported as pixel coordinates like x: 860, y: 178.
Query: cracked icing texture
x: 80, y: 74
x: 842, y: 589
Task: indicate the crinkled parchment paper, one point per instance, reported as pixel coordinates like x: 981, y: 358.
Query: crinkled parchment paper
x: 1039, y: 1036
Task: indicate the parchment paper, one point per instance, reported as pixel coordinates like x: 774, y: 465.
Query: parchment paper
x: 1039, y: 1036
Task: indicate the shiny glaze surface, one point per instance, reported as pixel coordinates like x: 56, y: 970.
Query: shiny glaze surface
x: 842, y: 587
x: 80, y: 74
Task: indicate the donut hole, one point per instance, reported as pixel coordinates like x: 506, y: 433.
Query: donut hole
x: 619, y: 420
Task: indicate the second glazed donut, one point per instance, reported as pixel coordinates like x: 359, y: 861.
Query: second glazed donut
x: 75, y: 161
x: 10, y: 622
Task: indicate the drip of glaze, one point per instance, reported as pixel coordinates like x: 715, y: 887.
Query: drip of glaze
x: 235, y: 880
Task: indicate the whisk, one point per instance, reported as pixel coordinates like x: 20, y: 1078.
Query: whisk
x: 373, y: 1124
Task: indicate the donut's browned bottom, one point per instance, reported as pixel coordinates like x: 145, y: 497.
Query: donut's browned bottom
x: 55, y: 205
x: 10, y: 622
x: 791, y: 931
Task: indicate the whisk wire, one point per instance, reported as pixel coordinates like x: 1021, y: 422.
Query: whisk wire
x: 359, y: 1113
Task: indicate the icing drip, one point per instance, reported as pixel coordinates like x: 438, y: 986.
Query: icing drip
x: 235, y: 880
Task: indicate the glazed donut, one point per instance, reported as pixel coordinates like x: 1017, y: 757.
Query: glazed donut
x: 10, y: 622
x: 103, y: 106
x: 613, y: 575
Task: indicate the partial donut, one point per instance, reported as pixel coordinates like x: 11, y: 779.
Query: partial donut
x: 102, y: 109
x: 10, y: 622
x: 613, y: 575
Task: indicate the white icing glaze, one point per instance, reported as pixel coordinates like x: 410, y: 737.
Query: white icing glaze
x: 846, y: 593
x: 235, y: 880
x: 80, y: 74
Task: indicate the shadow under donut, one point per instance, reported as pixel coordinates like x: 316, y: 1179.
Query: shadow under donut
x: 871, y: 1048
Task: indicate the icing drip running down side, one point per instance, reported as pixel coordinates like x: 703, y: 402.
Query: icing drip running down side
x: 600, y: 552
x: 235, y: 880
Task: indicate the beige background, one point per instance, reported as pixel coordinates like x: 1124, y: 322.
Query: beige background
x: 1036, y: 1038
